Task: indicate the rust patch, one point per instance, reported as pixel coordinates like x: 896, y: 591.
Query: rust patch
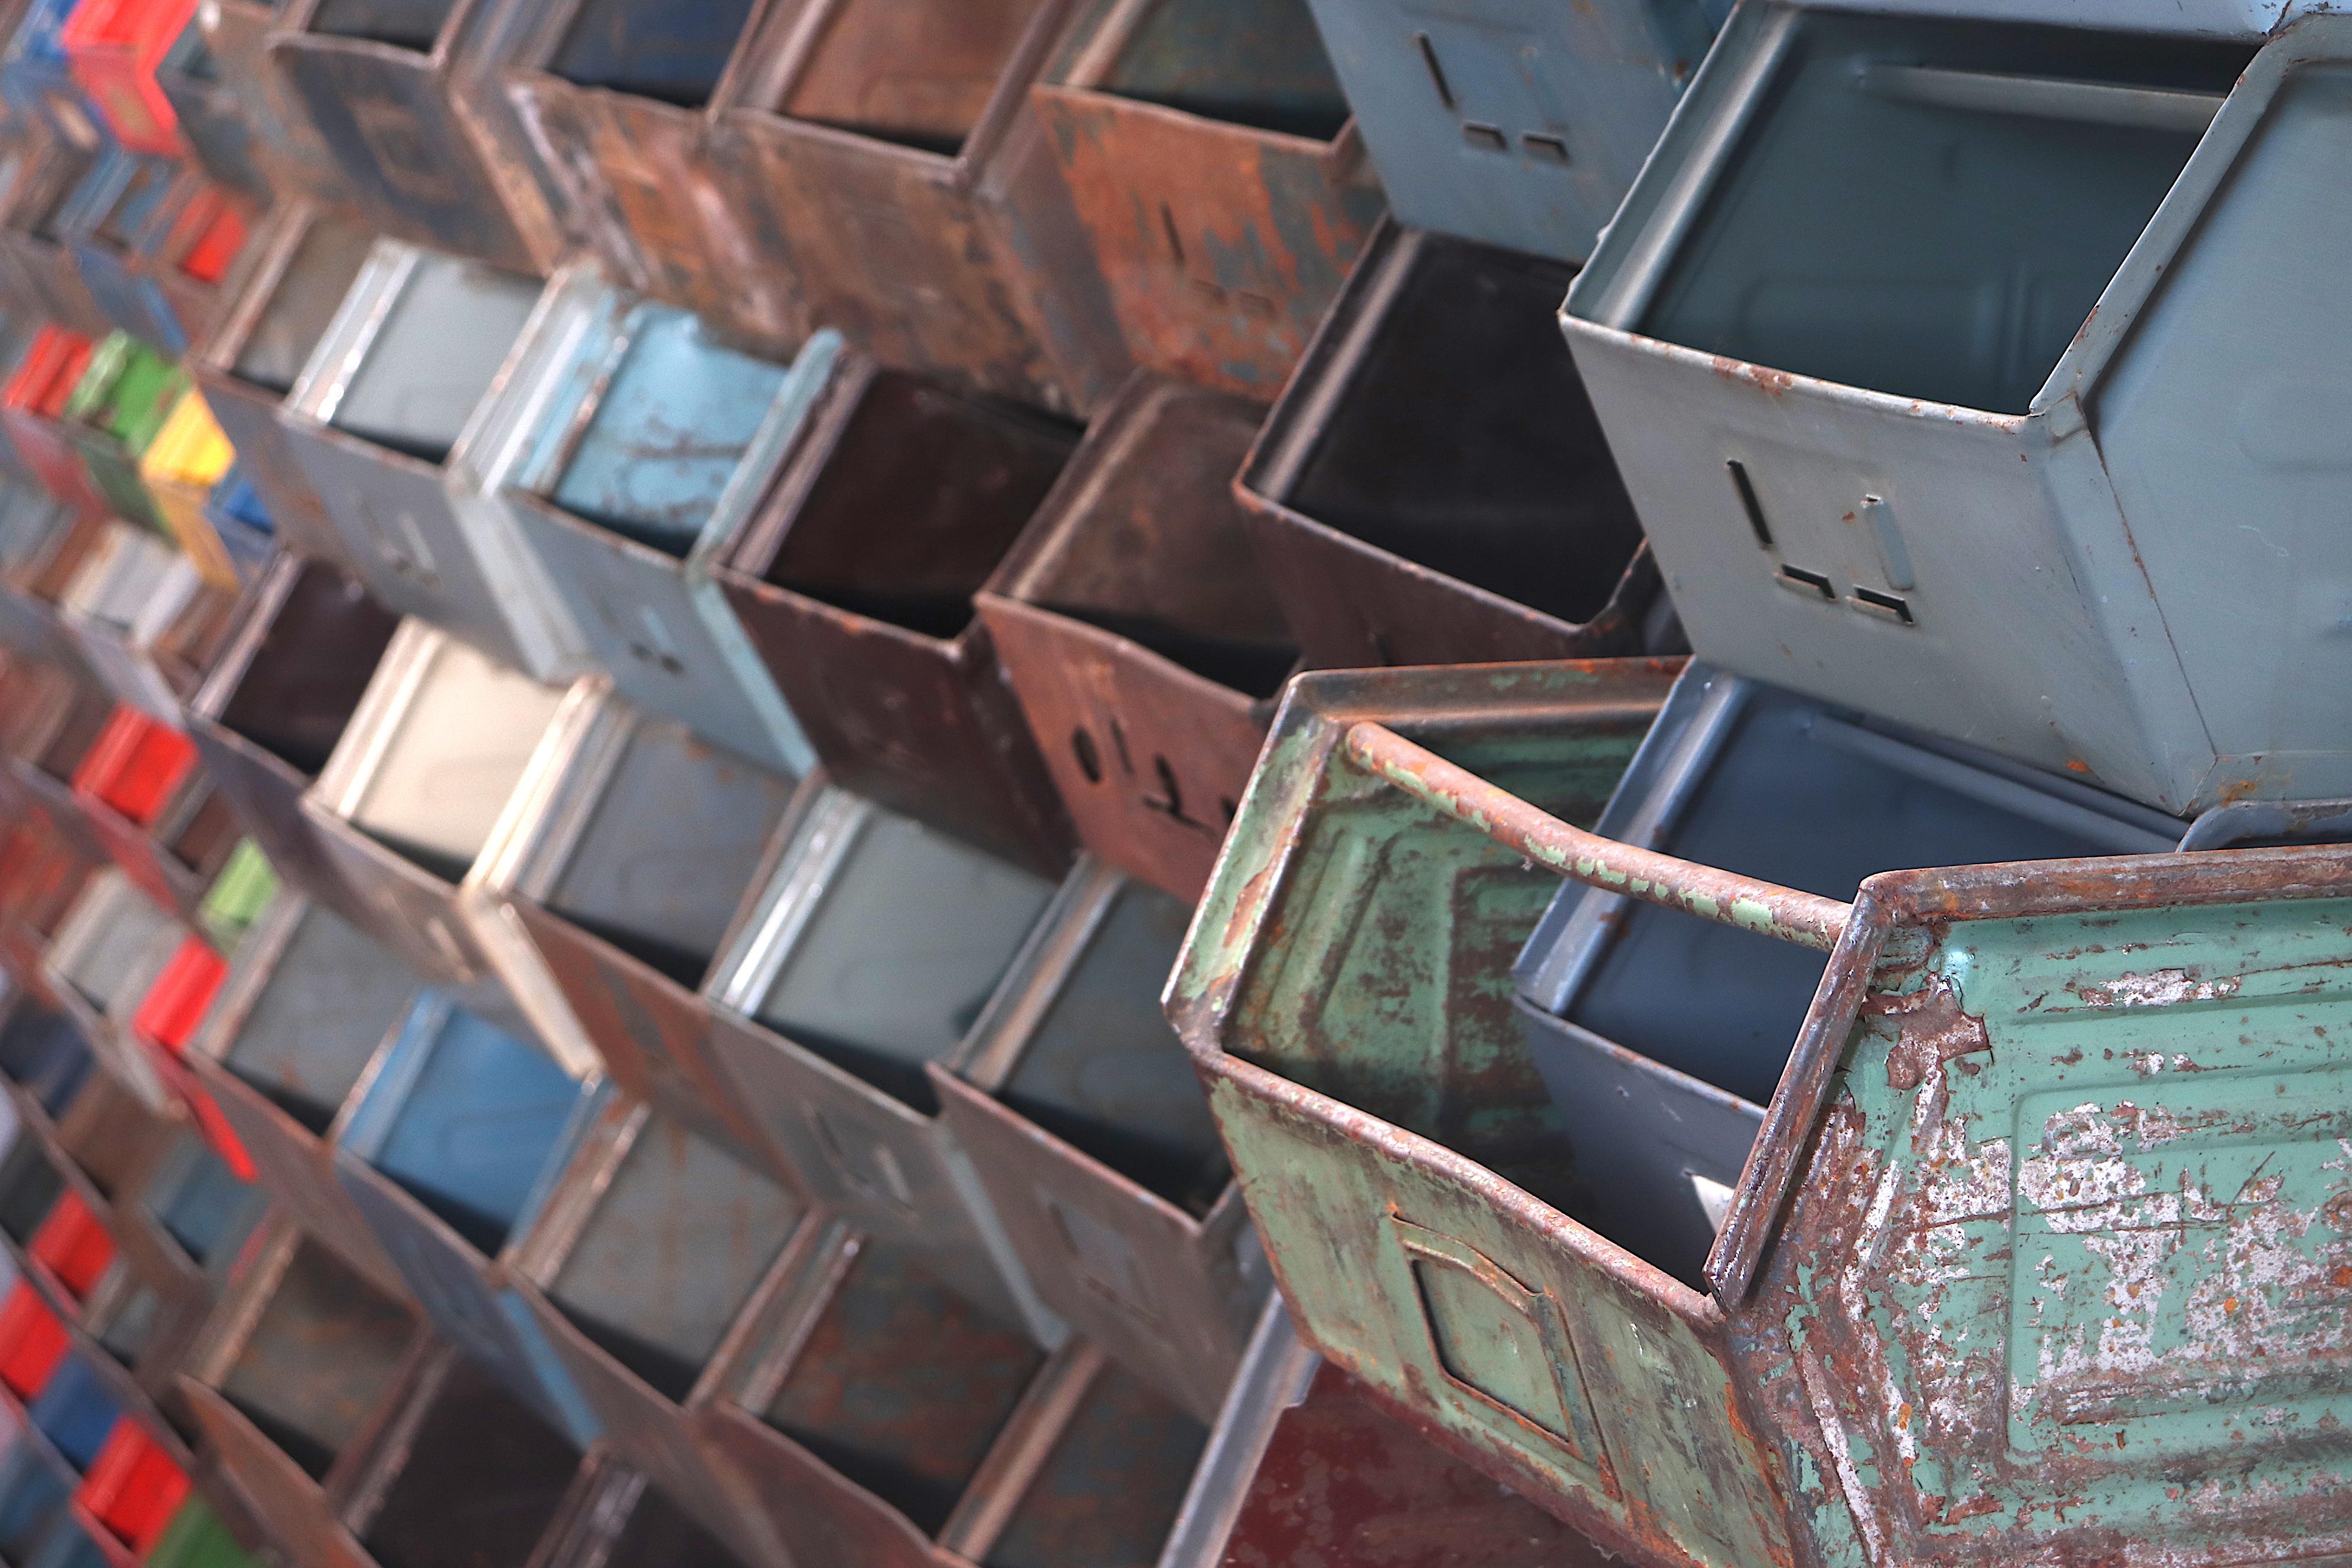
x: 1933, y: 1031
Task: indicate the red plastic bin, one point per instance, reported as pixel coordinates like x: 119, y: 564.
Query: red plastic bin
x: 114, y: 46
x: 135, y: 766
x: 33, y: 1341
x: 73, y: 1244
x: 133, y: 1487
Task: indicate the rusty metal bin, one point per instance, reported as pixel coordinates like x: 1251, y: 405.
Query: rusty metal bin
x: 34, y: 406
x: 408, y: 801
x: 615, y: 98
x: 1518, y: 123
x: 106, y: 225
x: 39, y: 198
x: 875, y: 947
x: 411, y: 401
x: 34, y: 1483
x: 215, y: 123
x: 199, y: 1212
x: 403, y: 93
x: 282, y: 294
x: 284, y: 146
x: 627, y: 1521
x: 451, y: 1207
x: 108, y: 949
x: 1212, y: 161
x: 1433, y: 488
x: 887, y: 159
x: 1139, y: 635
x: 609, y: 889
x: 633, y: 480
x: 855, y: 580
x: 143, y: 619
x: 2053, y: 354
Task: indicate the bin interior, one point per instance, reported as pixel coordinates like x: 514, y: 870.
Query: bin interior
x: 129, y: 986
x: 658, y: 1534
x: 43, y: 1052
x: 909, y: 939
x: 76, y: 1411
x: 70, y: 1546
x: 207, y: 836
x: 1256, y: 63
x: 301, y: 301
x: 670, y: 848
x: 297, y: 694
x: 1103, y: 1070
x: 903, y: 1386
x: 31, y: 1496
x: 456, y: 752
x: 404, y: 23
x: 1930, y: 208
x: 136, y: 203
x: 85, y: 720
x: 29, y: 1188
x: 668, y: 430
x: 126, y: 1325
x: 201, y: 1204
x: 321, y: 1359
x: 916, y: 72
x: 481, y: 1469
x: 332, y: 1000
x: 479, y: 1121
x: 649, y: 49
x: 1461, y: 439
x: 1111, y: 1489
x: 679, y: 1240
x: 435, y: 355
x: 910, y: 542
x: 49, y: 221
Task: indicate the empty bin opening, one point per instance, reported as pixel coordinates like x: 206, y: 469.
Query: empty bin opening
x: 478, y: 1126
x: 683, y: 1235
x: 910, y: 542
x: 1464, y: 442
x: 911, y: 934
x: 294, y: 316
x: 29, y: 1187
x: 126, y: 1326
x: 1106, y: 1073
x: 136, y: 204
x: 434, y: 356
x: 658, y: 1534
x: 190, y: 58
x: 42, y: 1052
x: 917, y: 72
x: 1111, y: 1489
x: 668, y: 431
x: 652, y: 48
x: 74, y: 166
x: 405, y: 24
x: 211, y: 832
x: 200, y: 1202
x: 1258, y: 63
x: 903, y: 1386
x: 1930, y: 209
x: 668, y: 850
x: 320, y: 1361
x: 299, y: 690
x: 83, y: 723
x: 481, y: 1469
x: 331, y: 999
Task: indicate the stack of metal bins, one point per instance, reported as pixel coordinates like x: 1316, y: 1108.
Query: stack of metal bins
x: 1175, y: 783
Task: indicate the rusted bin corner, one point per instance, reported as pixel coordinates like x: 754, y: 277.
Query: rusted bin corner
x: 1139, y: 634
x: 609, y: 891
x: 397, y: 90
x: 38, y: 202
x: 617, y: 96
x: 1212, y: 158
x: 885, y: 156
x: 273, y: 135
x: 870, y: 632
x: 871, y: 948
x: 219, y: 113
x: 1433, y: 486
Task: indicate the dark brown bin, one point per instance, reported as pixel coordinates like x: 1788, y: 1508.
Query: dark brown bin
x: 855, y: 583
x: 1209, y: 155
x: 887, y: 158
x: 1433, y: 486
x: 1139, y: 636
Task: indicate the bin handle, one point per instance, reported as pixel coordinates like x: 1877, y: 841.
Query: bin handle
x: 1766, y: 908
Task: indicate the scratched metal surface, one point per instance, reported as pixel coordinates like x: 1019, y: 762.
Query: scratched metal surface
x: 321, y: 1360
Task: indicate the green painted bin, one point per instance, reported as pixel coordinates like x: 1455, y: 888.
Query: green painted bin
x: 115, y: 410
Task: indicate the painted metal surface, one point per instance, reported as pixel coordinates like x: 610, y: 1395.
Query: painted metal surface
x: 1214, y: 163
x: 114, y: 47
x: 240, y: 891
x: 1139, y: 635
x: 1521, y: 543
x: 1515, y: 123
x: 885, y: 156
x: 1805, y: 511
x: 39, y: 193
x: 873, y: 949
x: 120, y: 402
x: 179, y: 470
x: 210, y: 105
x: 870, y: 633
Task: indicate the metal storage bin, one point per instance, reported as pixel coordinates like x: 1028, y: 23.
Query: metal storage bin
x: 240, y: 890
x: 1515, y: 123
x: 626, y: 1521
x: 106, y: 227
x: 616, y: 96
x: 286, y: 146
x: 75, y: 1412
x: 108, y: 949
x: 1139, y: 635
x: 39, y: 203
x: 32, y: 1344
x: 639, y: 477
x: 610, y: 887
x: 402, y: 92
x: 115, y: 47
x: 219, y: 129
x: 143, y: 619
x: 197, y: 1537
x: 34, y: 1483
x: 451, y: 1207
x: 116, y: 409
x: 190, y: 1218
x: 409, y: 799
x: 34, y: 406
x: 1521, y: 543
x: 887, y: 159
x: 237, y: 515
x: 133, y: 1487
x: 41, y: 1054
x: 282, y: 295
x: 1214, y: 162
x: 71, y: 1545
x: 179, y: 470
x: 2041, y: 353
x: 410, y: 402
x: 873, y: 948
x: 855, y: 580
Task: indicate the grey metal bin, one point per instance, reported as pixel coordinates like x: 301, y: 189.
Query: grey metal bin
x: 1961, y: 368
